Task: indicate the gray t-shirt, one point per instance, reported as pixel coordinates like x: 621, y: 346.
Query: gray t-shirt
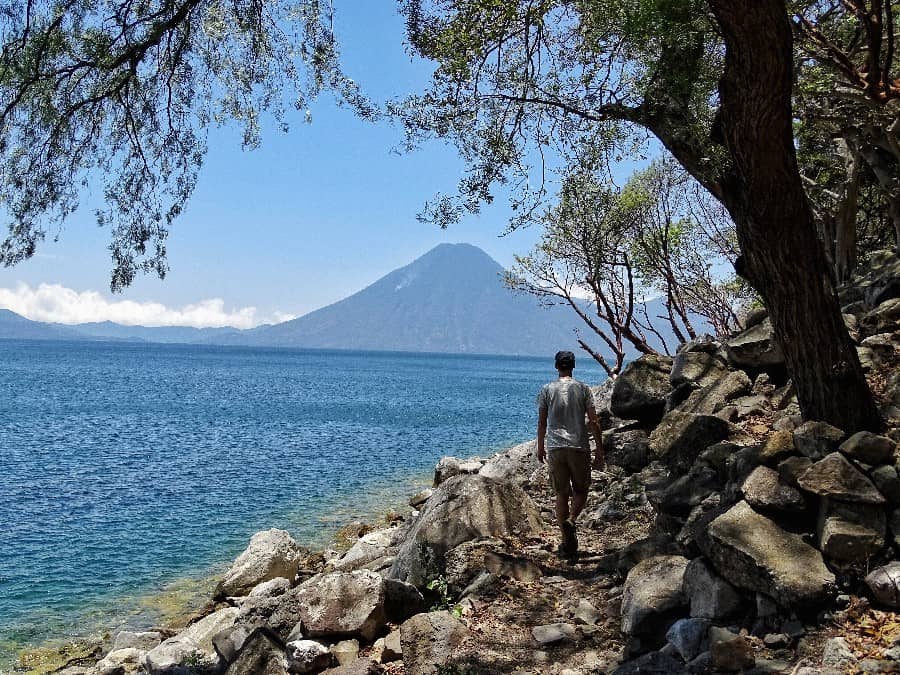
x: 566, y: 402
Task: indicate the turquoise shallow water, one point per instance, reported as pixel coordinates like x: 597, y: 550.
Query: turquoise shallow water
x: 124, y: 467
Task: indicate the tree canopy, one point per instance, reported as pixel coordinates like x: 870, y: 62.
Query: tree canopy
x: 120, y: 93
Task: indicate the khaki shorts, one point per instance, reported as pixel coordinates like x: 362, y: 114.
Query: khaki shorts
x: 570, y: 470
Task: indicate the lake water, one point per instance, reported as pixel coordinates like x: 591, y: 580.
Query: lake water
x: 127, y: 467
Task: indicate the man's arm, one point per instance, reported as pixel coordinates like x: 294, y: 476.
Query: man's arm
x: 541, y: 434
x: 597, y: 432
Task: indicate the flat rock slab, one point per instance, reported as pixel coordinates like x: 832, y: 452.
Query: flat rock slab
x: 752, y: 552
x: 755, y: 348
x: 652, y: 593
x: 699, y: 368
x: 869, y: 448
x: 680, y: 437
x: 430, y: 641
x: 836, y: 478
x: 553, y: 633
x: 709, y: 399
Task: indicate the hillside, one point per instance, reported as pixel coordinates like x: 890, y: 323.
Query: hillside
x: 14, y: 326
x: 449, y: 300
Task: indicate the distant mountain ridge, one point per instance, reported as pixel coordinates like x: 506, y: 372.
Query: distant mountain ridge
x: 451, y: 299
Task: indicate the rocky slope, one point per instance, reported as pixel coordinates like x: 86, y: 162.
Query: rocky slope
x: 727, y: 534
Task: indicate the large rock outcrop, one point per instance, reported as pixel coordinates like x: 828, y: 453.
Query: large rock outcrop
x: 753, y: 553
x: 271, y: 553
x: 640, y: 391
x: 463, y: 508
x: 353, y: 604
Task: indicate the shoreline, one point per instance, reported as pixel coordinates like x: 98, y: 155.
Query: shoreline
x: 173, y: 604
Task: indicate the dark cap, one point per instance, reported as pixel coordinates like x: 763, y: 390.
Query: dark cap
x: 565, y: 359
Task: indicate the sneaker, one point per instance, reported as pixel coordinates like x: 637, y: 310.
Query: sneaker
x: 565, y: 553
x: 570, y: 540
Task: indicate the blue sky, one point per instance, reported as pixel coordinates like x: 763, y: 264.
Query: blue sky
x: 303, y: 221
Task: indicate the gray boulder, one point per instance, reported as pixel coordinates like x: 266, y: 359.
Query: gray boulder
x: 887, y: 480
x: 709, y: 595
x: 688, y: 636
x: 817, y: 439
x: 752, y: 552
x: 696, y: 526
x: 624, y: 559
x: 653, y: 663
x: 765, y: 492
x: 686, y: 492
x: 272, y: 553
x: 680, y: 437
x: 640, y: 390
x: 778, y: 447
x: 461, y: 509
x: 711, y: 398
x: 850, y: 533
x: 756, y: 348
x: 834, y: 477
x: 192, y: 649
x: 271, y: 588
x: 306, y: 656
x: 869, y: 448
x: 653, y: 594
x: 883, y: 318
x: 627, y: 449
x: 353, y: 604
x: 698, y: 368
x: 430, y: 642
x: 792, y: 468
x: 884, y: 582
x: 448, y: 467
x: 516, y: 464
x: 553, y: 633
x: 262, y: 653
x: 367, y: 548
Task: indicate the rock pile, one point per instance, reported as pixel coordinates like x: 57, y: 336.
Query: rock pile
x: 725, y: 533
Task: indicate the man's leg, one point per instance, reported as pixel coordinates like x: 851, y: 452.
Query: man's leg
x: 579, y: 499
x: 561, y: 478
x: 562, y: 509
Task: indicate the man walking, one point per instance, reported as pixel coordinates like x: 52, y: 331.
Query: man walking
x: 562, y: 432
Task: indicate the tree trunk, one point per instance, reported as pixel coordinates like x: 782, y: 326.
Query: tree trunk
x: 780, y: 253
x: 845, y: 235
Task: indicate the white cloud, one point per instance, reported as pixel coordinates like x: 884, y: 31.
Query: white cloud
x: 58, y: 304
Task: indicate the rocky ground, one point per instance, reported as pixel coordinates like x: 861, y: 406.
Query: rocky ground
x: 727, y: 534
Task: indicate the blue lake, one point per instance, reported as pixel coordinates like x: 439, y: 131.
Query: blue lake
x: 125, y: 466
